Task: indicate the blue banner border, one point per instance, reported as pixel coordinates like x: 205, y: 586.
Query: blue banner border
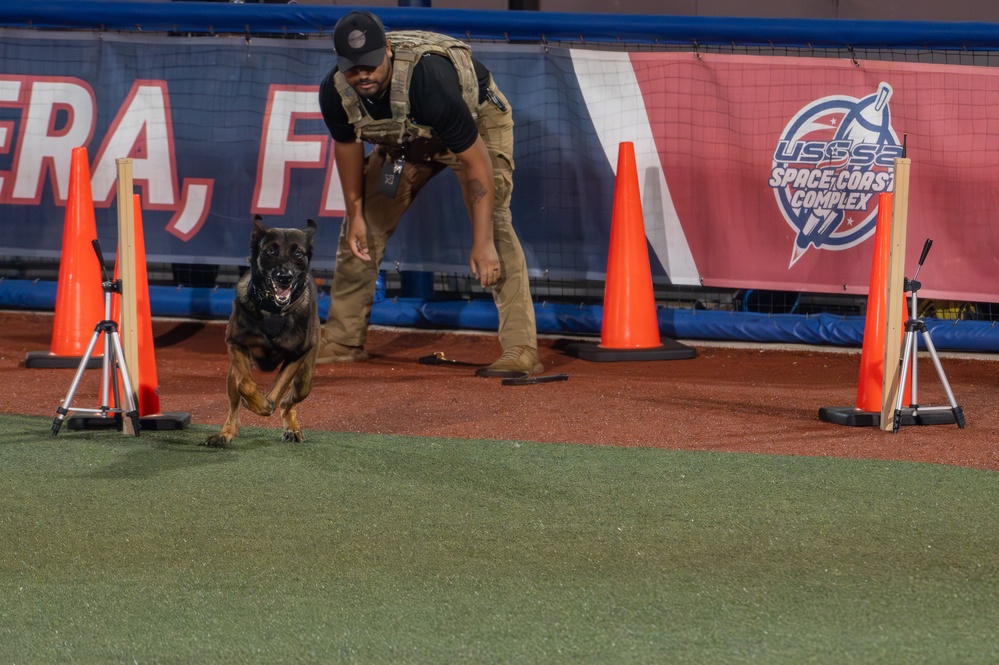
x: 292, y: 20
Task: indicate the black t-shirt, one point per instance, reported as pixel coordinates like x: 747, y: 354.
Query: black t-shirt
x: 434, y: 101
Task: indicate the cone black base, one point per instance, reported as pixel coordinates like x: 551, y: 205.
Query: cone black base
x: 851, y: 416
x: 48, y: 360
x: 669, y: 350
x: 155, y: 422
x: 172, y: 420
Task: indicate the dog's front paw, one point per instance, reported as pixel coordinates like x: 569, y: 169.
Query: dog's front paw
x: 295, y: 436
x: 216, y: 441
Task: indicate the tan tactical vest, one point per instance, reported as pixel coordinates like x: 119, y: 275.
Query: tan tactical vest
x: 408, y: 46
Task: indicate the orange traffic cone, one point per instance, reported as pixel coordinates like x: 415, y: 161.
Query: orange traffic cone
x: 629, y: 320
x: 867, y: 412
x: 79, y: 305
x: 872, y: 362
x: 147, y: 378
x: 630, y: 326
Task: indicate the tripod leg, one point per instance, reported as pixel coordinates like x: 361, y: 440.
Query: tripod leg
x: 107, y: 375
x: 955, y: 409
x: 907, y: 347
x: 63, y: 409
x: 115, y: 387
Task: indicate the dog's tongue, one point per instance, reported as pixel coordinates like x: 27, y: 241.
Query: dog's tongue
x: 281, y: 293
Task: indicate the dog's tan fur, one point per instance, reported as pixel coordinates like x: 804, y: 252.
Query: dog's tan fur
x: 274, y: 325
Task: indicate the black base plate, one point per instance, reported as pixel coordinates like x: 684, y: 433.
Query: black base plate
x: 851, y: 416
x: 48, y: 360
x: 669, y: 350
x: 158, y: 422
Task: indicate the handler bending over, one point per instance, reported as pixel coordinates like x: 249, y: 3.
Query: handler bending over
x: 425, y: 104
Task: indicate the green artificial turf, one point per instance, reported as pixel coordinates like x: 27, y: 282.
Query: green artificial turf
x: 383, y: 549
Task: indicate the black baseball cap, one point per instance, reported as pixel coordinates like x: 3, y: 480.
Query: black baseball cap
x: 359, y: 40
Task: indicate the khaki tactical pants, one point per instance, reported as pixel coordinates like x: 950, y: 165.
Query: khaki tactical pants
x: 353, y: 286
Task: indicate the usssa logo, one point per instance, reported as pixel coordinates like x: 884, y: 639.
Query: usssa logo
x: 833, y: 159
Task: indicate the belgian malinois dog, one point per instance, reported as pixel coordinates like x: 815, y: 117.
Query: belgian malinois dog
x: 274, y: 325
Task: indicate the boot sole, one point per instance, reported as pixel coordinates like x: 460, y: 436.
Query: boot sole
x: 336, y: 360
x: 487, y: 373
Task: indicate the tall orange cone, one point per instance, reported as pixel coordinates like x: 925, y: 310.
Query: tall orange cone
x: 867, y: 412
x: 872, y: 365
x: 79, y: 305
x: 147, y: 377
x: 630, y: 326
x: 629, y: 320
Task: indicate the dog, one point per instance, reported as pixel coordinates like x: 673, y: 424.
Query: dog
x: 274, y: 325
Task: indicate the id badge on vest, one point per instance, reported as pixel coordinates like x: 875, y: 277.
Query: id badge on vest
x: 388, y: 179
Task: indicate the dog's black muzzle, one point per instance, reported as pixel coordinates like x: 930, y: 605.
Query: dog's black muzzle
x: 283, y: 283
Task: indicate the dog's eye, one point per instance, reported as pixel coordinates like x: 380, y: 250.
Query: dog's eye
x: 299, y: 254
x: 271, y: 251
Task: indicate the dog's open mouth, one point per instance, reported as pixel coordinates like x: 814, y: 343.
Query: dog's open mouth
x: 282, y: 292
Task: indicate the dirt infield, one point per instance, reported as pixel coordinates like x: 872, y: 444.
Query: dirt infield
x: 726, y: 399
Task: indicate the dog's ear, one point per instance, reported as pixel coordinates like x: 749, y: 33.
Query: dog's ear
x: 309, y: 232
x: 259, y: 230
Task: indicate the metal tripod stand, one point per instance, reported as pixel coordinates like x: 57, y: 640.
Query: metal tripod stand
x: 114, y: 358
x: 914, y: 325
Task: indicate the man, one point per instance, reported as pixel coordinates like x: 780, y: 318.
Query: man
x: 426, y: 105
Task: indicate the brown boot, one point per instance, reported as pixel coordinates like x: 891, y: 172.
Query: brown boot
x: 334, y: 352
x: 517, y: 361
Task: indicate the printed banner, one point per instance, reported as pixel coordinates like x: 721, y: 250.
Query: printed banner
x: 221, y: 128
x: 756, y: 172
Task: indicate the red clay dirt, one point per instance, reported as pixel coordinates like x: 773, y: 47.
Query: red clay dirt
x: 750, y: 400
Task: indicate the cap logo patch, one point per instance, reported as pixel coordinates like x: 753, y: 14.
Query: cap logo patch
x: 356, y: 39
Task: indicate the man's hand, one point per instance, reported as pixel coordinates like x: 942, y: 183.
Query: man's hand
x: 484, y: 263
x: 349, y: 159
x: 357, y: 238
